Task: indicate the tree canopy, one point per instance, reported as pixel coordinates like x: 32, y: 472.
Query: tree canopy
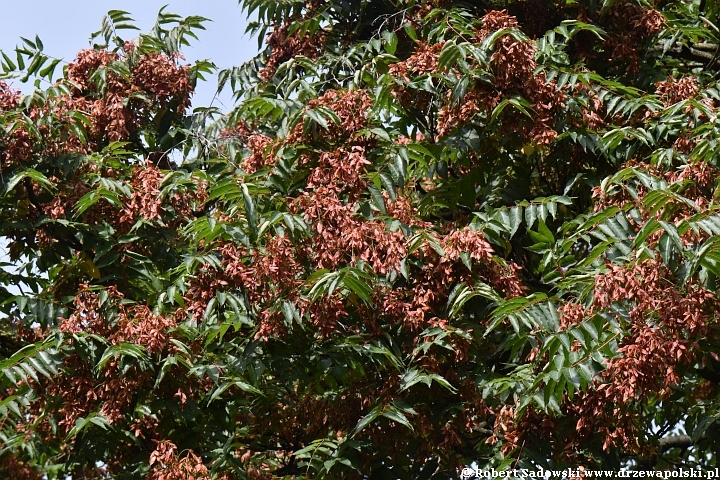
x: 427, y: 235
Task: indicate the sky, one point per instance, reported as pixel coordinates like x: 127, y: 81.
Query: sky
x: 65, y: 27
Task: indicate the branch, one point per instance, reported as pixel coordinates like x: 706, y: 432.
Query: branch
x: 675, y: 441
x: 703, y: 54
x: 664, y: 444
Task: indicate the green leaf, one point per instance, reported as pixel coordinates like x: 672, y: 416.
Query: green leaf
x: 397, y: 416
x: 366, y: 420
x: 31, y: 174
x: 250, y: 211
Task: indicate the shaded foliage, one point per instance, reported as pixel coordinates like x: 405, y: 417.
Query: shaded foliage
x: 426, y: 236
